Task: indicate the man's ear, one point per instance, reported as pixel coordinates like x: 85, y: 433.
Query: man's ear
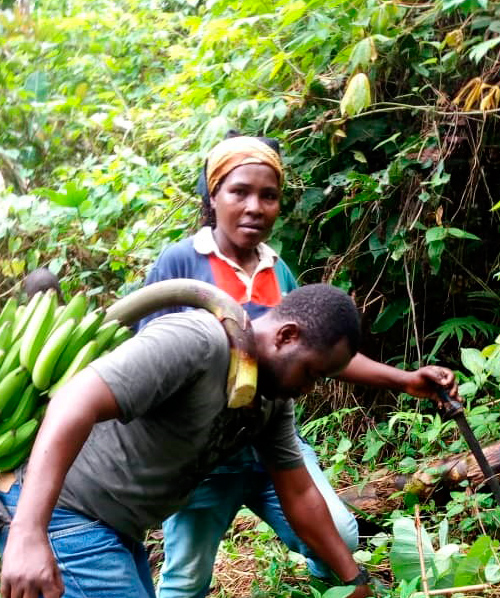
x: 287, y: 333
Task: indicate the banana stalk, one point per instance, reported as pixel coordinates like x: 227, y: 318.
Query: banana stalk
x: 242, y: 377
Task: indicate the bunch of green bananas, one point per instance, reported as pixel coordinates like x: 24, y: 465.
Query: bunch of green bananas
x: 41, y: 347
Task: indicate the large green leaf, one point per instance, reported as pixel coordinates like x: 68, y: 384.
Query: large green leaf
x: 404, y: 557
x: 37, y: 86
x: 390, y: 315
x: 339, y: 592
x: 470, y: 570
x: 69, y: 196
x: 473, y: 360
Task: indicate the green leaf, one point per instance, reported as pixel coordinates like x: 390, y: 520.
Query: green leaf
x: 435, y: 251
x: 344, y: 445
x: 473, y: 360
x: 37, y: 86
x: 293, y: 11
x: 480, y: 50
x: 403, y: 556
x: 492, y: 570
x: 372, y: 450
x: 357, y: 96
x: 390, y: 315
x: 311, y: 198
x: 468, y: 389
x: 361, y: 54
x: 339, y: 592
x: 69, y: 196
x: 436, y: 233
x: 461, y: 234
x: 470, y: 569
x: 443, y: 532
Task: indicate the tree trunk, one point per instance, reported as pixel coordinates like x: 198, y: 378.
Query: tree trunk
x: 373, y: 497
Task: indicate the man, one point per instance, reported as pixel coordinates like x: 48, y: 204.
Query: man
x: 41, y: 279
x: 127, y: 439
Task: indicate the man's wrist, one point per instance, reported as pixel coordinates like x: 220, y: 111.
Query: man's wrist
x: 361, y: 579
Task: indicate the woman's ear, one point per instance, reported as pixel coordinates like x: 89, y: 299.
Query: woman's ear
x: 288, y: 333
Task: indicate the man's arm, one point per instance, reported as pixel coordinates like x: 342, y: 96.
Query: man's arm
x: 308, y: 514
x: 419, y: 383
x: 28, y: 565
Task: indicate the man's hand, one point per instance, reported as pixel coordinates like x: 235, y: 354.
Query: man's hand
x: 425, y: 381
x: 29, y: 569
x: 361, y: 592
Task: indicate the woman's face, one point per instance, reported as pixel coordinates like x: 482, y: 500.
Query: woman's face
x: 246, y: 205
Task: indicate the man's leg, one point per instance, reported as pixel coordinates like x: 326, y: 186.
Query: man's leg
x: 267, y: 506
x: 95, y: 562
x: 192, y: 536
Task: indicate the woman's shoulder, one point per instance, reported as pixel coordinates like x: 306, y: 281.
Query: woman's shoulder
x: 178, y: 250
x: 286, y: 279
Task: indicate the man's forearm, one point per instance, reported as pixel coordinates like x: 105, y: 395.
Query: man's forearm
x: 28, y: 565
x: 308, y: 514
x: 363, y: 370
x: 67, y: 424
x: 423, y: 382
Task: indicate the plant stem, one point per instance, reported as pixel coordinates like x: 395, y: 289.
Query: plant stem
x: 418, y: 527
x: 478, y: 587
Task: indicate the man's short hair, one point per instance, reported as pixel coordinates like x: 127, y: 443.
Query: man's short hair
x: 41, y: 279
x: 326, y: 314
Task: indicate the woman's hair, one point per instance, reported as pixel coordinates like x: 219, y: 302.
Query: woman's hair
x: 207, y: 212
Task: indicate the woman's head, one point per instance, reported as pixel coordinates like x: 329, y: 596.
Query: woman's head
x: 243, y: 176
x: 237, y: 151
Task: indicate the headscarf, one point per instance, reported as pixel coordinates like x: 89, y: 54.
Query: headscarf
x: 236, y: 151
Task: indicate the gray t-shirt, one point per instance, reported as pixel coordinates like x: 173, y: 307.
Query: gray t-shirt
x: 170, y: 384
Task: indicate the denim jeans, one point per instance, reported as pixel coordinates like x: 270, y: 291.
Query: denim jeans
x: 94, y: 560
x: 192, y: 536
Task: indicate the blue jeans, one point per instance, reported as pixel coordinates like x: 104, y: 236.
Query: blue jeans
x: 192, y: 536
x: 95, y: 561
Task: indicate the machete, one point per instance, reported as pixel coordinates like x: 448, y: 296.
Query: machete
x: 452, y: 409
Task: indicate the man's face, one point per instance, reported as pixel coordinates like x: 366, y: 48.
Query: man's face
x: 294, y: 369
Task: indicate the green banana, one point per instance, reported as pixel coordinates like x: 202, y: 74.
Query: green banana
x: 121, y: 335
x: 37, y: 330
x: 7, y: 441
x: 57, y: 314
x: 75, y: 310
x: 5, y: 334
x: 86, y: 354
x: 23, y: 411
x: 2, y: 355
x: 14, y: 459
x: 25, y: 314
x: 8, y: 312
x: 82, y: 334
x: 48, y: 356
x: 11, y: 360
x: 105, y: 335
x: 11, y: 388
x: 25, y: 433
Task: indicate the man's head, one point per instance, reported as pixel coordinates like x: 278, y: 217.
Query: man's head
x: 312, y: 334
x: 41, y: 279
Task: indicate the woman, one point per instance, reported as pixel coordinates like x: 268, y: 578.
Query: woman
x: 244, y: 176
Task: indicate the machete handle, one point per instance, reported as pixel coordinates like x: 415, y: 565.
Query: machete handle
x: 450, y: 408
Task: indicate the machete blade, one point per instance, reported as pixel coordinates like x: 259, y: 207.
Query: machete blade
x: 454, y: 410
